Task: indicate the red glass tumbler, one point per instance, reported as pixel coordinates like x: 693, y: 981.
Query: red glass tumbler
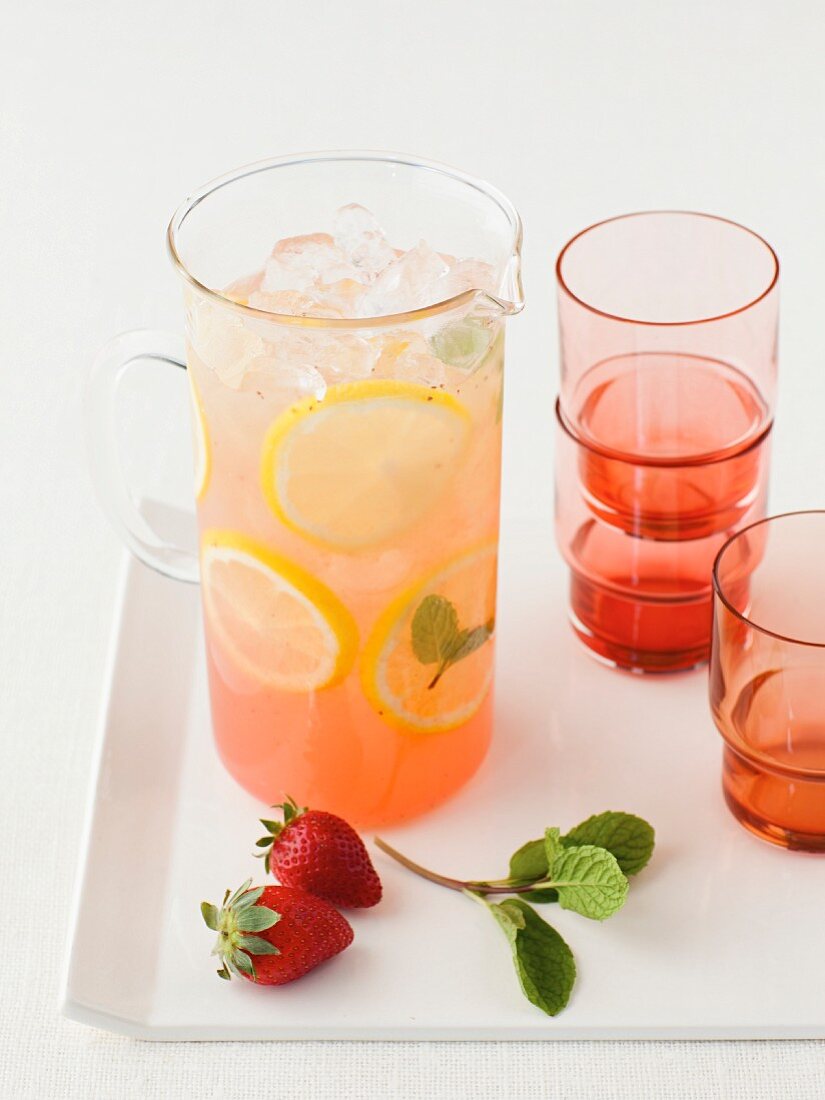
x: 767, y: 677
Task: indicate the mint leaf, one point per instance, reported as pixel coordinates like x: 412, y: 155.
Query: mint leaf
x: 437, y: 639
x: 629, y: 838
x: 541, y: 896
x: 552, y: 845
x: 544, y: 963
x: 589, y: 881
x: 468, y: 641
x: 461, y: 343
x: 434, y: 630
x: 529, y: 863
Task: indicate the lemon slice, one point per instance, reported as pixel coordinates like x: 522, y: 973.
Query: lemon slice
x: 396, y: 683
x: 280, y: 624
x: 364, y: 463
x: 203, y: 449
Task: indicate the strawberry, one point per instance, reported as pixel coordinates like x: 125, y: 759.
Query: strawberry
x: 321, y: 853
x: 274, y: 934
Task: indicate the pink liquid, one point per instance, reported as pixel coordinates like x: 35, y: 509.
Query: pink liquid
x: 774, y: 761
x: 334, y: 748
x: 677, y: 461
x: 678, y: 445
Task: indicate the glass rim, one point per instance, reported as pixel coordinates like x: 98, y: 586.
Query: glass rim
x: 465, y: 297
x: 677, y: 462
x: 562, y: 283
x: 719, y: 590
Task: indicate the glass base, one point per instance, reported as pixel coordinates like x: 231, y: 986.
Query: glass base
x: 784, y: 810
x: 640, y: 635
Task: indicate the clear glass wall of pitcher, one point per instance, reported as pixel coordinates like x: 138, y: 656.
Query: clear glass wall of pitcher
x: 347, y: 445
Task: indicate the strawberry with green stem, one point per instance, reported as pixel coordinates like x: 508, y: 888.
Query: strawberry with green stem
x: 272, y: 935
x: 320, y: 852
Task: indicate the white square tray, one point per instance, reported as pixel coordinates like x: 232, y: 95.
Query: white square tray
x: 721, y: 936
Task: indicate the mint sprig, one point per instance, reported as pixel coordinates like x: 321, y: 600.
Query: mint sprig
x: 437, y: 638
x: 583, y: 876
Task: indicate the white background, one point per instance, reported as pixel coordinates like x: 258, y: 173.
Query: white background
x: 111, y: 113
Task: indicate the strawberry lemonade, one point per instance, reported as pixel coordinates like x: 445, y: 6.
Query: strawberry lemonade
x: 347, y: 479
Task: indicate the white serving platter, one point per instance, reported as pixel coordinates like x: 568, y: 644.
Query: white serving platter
x: 721, y: 937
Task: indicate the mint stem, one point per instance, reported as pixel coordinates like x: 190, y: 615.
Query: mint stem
x: 466, y: 886
x: 442, y: 669
x: 476, y: 897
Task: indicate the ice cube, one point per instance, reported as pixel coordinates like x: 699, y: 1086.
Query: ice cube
x: 300, y: 263
x: 294, y: 303
x: 469, y: 275
x: 340, y: 299
x: 405, y: 356
x: 241, y: 290
x: 274, y: 377
x: 221, y: 341
x: 337, y: 356
x: 410, y: 282
x: 344, y: 357
x: 360, y: 237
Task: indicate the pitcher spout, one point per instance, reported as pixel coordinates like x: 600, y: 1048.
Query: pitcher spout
x: 509, y: 300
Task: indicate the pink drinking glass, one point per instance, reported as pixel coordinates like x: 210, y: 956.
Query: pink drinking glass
x: 767, y: 677
x: 668, y: 326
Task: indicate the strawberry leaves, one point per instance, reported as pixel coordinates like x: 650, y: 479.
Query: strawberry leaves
x: 210, y: 915
x: 255, y: 918
x: 437, y: 638
x: 235, y: 922
x: 290, y: 810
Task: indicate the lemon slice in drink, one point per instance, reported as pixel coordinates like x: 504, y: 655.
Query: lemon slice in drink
x: 411, y: 695
x: 280, y: 625
x: 366, y: 462
x: 203, y: 448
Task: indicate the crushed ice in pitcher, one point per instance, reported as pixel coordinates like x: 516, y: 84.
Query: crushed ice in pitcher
x: 356, y: 273
x: 353, y: 272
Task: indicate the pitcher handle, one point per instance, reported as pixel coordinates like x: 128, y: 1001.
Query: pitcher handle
x: 112, y: 362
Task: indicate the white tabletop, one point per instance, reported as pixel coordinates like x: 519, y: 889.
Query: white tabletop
x: 110, y: 113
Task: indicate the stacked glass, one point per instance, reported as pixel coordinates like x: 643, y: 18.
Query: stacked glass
x: 668, y: 330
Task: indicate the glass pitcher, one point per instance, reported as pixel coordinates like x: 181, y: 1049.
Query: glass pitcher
x: 347, y: 474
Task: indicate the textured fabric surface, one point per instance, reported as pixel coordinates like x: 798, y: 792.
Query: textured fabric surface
x: 81, y: 1064
x: 109, y: 112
